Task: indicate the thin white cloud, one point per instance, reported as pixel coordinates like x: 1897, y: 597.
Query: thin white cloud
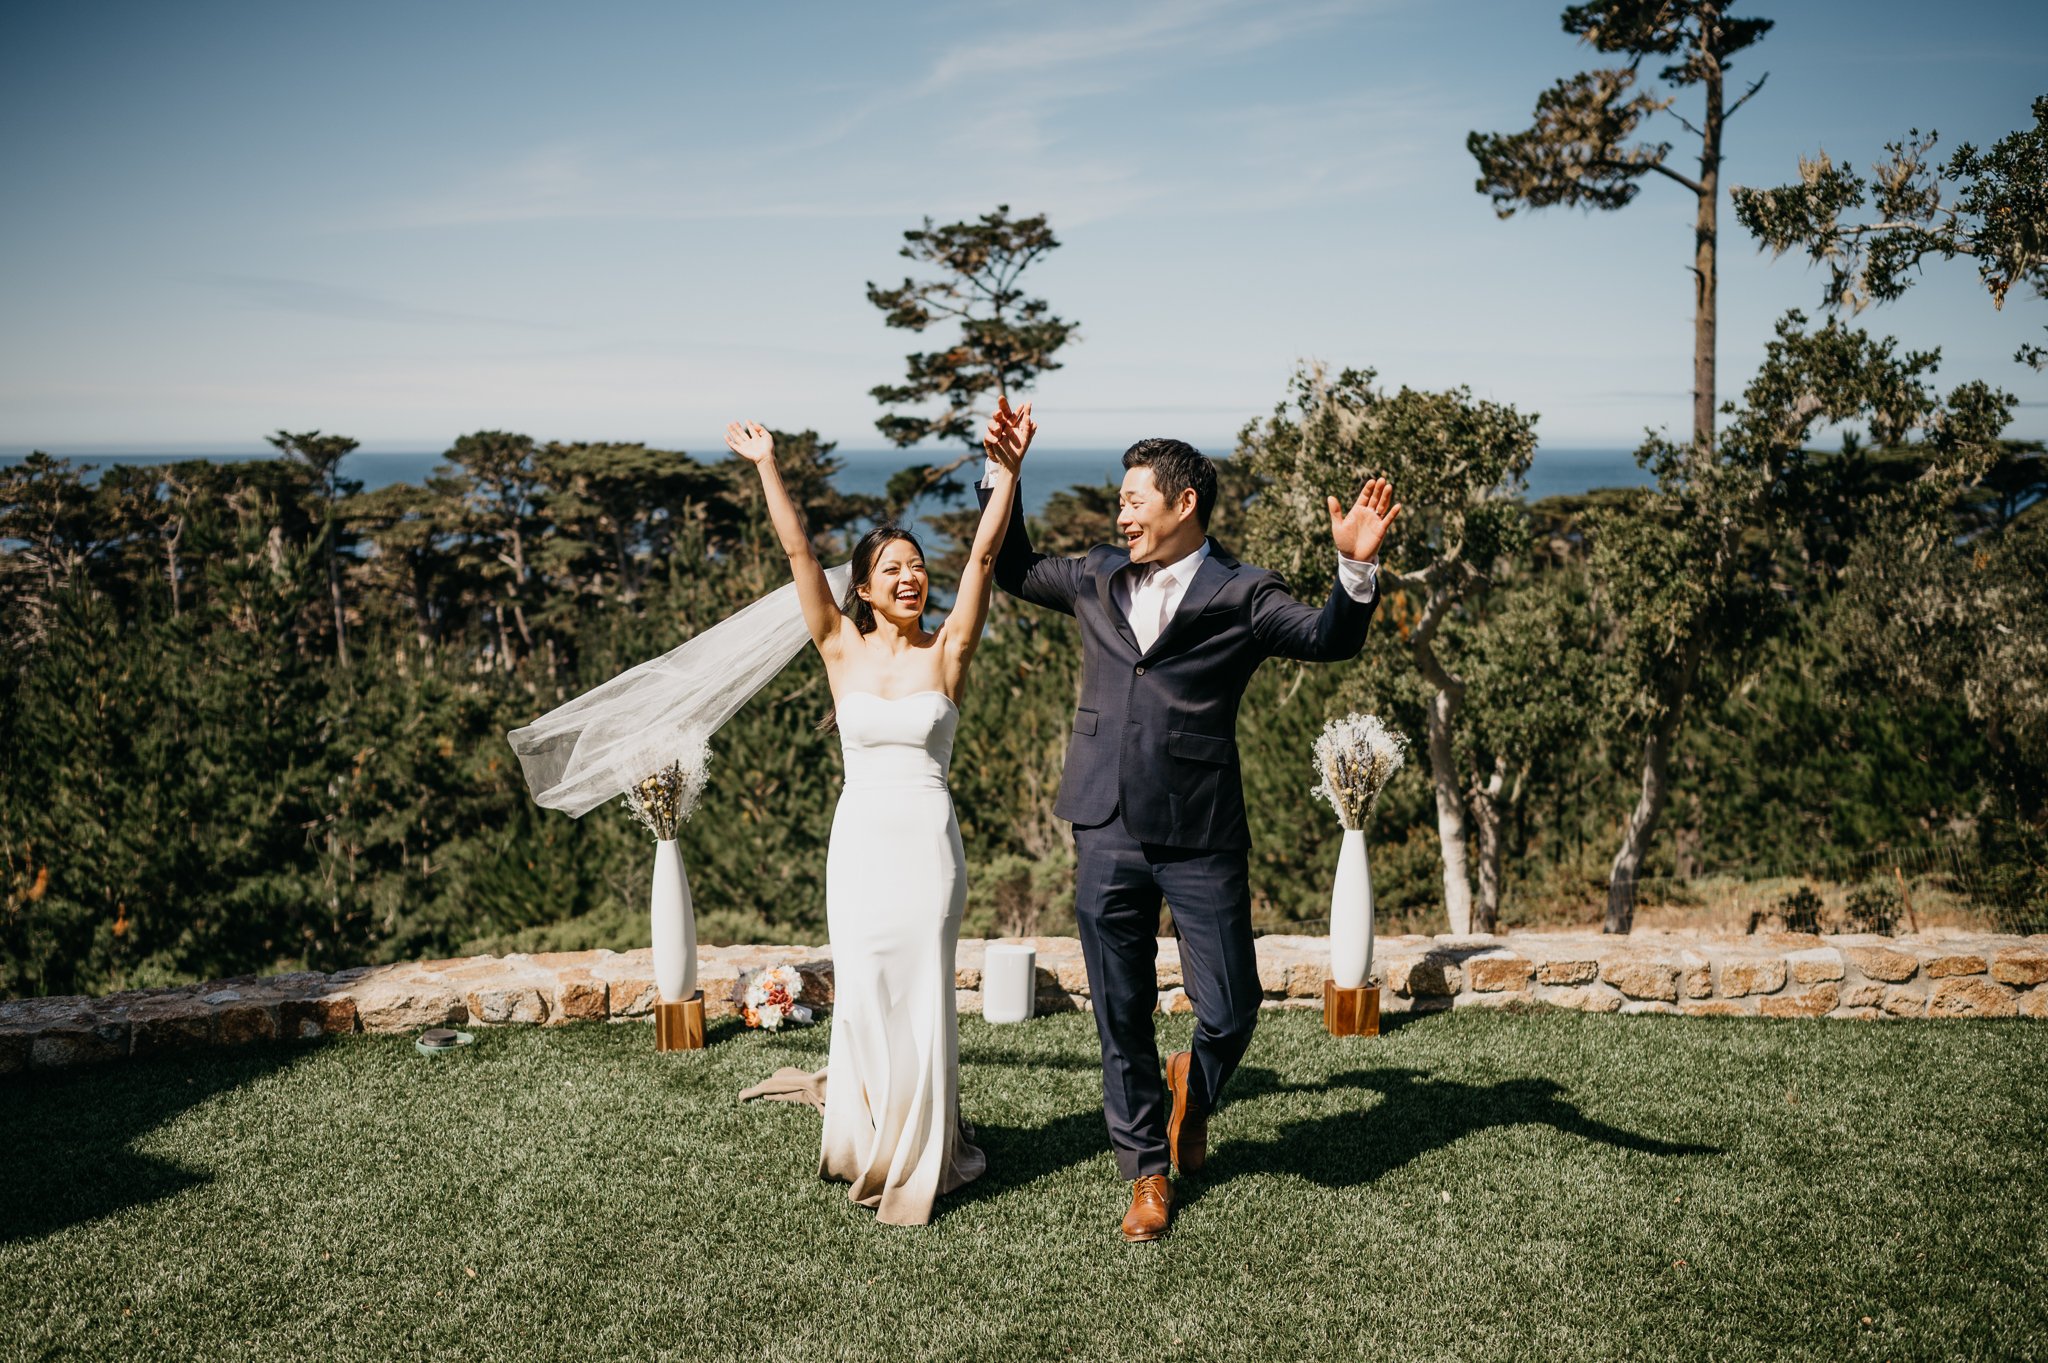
x: 329, y: 300
x: 994, y: 109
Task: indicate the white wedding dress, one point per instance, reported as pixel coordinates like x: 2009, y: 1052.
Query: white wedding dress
x: 895, y: 888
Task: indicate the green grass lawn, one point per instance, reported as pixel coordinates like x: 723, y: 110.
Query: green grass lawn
x: 1543, y: 1185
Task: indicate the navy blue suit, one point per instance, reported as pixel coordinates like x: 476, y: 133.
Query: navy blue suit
x: 1153, y: 789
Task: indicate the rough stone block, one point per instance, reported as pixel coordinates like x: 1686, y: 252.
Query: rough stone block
x: 304, y: 1019
x: 967, y: 977
x: 1175, y: 1000
x: 580, y: 997
x: 1754, y: 976
x: 1648, y: 1006
x: 1818, y: 1001
x: 507, y: 1003
x: 1072, y: 975
x: 818, y: 983
x: 1586, y: 998
x: 1817, y: 966
x: 1433, y: 976
x: 1787, y: 941
x: 1641, y: 977
x: 398, y: 1003
x: 1305, y: 979
x: 1969, y: 996
x: 181, y: 1022
x: 1864, y: 995
x: 244, y: 1024
x: 2023, y: 966
x: 1905, y: 1003
x: 967, y: 1002
x: 633, y: 996
x: 581, y: 961
x: 14, y: 1049
x: 1859, y: 1013
x: 1948, y: 967
x: 1567, y: 972
x: 2033, y: 1004
x: 35, y: 1015
x: 1883, y: 963
x: 1695, y: 975
x: 1468, y: 999
x: 1713, y: 1008
x: 78, y: 1043
x: 1491, y: 974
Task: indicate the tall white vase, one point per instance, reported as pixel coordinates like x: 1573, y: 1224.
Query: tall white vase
x: 1351, y: 914
x: 674, y: 925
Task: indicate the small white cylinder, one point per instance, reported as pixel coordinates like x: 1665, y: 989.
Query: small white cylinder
x: 1009, y: 982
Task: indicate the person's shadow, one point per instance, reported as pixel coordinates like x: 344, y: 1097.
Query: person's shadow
x: 69, y: 1135
x: 1417, y: 1113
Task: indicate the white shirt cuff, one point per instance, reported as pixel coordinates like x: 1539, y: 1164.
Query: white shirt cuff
x: 988, y: 472
x: 1360, y: 578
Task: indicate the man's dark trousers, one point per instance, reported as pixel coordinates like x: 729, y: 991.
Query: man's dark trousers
x: 1118, y: 886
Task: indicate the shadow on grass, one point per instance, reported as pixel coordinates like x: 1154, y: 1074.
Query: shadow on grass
x: 68, y: 1135
x: 1417, y: 1114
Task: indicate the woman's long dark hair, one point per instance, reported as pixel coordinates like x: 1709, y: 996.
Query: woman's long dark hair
x: 853, y: 607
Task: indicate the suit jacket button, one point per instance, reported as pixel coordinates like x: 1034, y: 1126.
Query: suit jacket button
x: 1141, y: 671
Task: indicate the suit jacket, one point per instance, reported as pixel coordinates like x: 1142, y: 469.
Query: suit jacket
x: 1156, y: 729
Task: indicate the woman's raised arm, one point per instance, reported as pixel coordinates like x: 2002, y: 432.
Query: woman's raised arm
x: 1007, y: 438
x: 751, y: 442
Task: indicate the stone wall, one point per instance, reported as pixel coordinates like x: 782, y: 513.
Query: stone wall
x: 1781, y: 975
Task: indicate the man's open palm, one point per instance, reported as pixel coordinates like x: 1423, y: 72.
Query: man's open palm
x: 1362, y: 529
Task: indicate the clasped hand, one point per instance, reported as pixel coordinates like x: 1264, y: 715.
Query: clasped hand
x: 1009, y: 434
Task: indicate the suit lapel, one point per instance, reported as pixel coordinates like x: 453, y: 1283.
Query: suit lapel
x: 1216, y: 570
x: 1118, y: 564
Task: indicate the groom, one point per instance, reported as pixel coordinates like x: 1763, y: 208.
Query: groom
x: 1172, y: 629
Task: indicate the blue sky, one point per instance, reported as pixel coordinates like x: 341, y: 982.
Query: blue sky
x: 635, y: 222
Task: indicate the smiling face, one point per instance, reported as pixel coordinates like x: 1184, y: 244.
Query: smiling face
x: 897, y: 584
x: 1154, y: 528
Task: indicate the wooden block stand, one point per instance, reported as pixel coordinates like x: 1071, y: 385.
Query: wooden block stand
x: 679, y: 1026
x: 1351, y: 1012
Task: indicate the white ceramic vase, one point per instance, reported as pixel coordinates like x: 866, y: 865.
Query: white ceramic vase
x: 1351, y: 914
x: 674, y: 924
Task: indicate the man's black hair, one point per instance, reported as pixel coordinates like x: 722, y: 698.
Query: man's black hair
x: 1177, y: 466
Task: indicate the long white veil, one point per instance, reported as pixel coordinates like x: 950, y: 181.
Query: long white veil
x: 582, y: 753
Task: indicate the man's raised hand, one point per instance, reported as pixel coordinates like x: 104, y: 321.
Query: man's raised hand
x: 1361, y: 530
x: 1009, y: 434
x: 750, y: 441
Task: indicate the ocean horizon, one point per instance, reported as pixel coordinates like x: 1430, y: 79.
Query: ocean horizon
x: 1553, y: 473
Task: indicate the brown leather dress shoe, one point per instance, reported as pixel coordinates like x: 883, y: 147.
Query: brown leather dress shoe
x: 1187, y: 1131
x: 1151, y: 1208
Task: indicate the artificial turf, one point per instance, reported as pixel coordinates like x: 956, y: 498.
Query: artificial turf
x: 1478, y: 1185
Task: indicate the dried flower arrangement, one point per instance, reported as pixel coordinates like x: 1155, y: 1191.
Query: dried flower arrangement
x: 1355, y: 757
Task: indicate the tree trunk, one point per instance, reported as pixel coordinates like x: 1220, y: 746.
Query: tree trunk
x: 334, y: 596
x: 1486, y: 821
x: 171, y: 563
x: 1704, y: 266
x: 1642, y: 820
x: 1450, y: 811
x: 1448, y: 692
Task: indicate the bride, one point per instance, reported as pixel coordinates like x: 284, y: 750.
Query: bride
x: 895, y: 874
